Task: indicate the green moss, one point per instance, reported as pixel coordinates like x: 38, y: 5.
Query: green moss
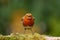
x: 22, y: 37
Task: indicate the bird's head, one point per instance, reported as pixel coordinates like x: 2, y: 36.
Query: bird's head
x: 28, y: 16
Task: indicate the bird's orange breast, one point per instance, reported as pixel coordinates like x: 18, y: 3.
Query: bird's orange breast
x: 27, y: 22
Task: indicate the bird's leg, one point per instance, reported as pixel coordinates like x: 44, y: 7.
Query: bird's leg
x: 31, y: 30
x: 24, y: 29
x: 28, y: 30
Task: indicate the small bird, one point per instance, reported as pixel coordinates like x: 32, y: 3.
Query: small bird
x: 28, y: 21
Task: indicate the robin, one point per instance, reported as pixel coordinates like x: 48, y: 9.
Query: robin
x: 28, y: 21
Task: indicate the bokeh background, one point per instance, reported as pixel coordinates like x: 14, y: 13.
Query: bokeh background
x: 46, y: 13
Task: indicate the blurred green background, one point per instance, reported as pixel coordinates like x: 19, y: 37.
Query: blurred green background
x: 46, y: 13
